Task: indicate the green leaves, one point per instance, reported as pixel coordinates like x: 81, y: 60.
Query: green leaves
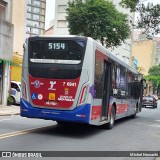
x: 155, y: 71
x: 154, y: 75
x: 149, y: 15
x: 98, y: 19
x: 129, y: 4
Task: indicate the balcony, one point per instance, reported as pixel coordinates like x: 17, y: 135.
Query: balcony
x: 6, y: 40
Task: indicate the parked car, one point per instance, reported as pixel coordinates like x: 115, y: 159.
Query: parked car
x: 16, y: 91
x: 149, y: 101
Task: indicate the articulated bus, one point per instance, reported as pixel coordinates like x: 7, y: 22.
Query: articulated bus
x: 76, y: 79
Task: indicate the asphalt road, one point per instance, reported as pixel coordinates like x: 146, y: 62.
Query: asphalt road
x: 140, y: 134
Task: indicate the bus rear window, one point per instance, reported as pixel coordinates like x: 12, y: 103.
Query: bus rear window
x: 57, y: 51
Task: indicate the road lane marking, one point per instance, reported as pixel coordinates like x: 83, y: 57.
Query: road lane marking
x: 12, y: 134
x: 5, y: 120
x: 155, y: 125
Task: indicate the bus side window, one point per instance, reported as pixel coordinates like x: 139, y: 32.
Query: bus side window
x: 99, y: 76
x: 113, y: 87
x: 121, y: 82
x: 130, y: 84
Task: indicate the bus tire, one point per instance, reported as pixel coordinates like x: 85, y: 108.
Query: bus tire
x: 110, y: 124
x: 135, y: 114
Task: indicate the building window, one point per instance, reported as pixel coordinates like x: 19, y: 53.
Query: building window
x: 61, y: 24
x: 35, y: 31
x: 127, y: 46
x: 36, y: 17
x: 29, y: 23
x: 62, y: 8
x: 29, y: 2
x: 36, y: 24
x: 2, y: 12
x: 36, y: 10
x: 37, y: 3
x: 29, y: 15
x: 29, y: 30
x: 40, y: 25
x: 29, y: 9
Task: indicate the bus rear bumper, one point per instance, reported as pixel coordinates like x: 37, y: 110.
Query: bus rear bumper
x: 79, y: 114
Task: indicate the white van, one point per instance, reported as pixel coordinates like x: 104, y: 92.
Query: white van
x: 16, y: 91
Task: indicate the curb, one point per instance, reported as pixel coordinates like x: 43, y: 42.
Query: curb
x: 9, y: 114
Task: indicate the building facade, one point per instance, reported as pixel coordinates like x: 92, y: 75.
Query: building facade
x: 50, y: 30
x: 145, y: 52
x: 157, y: 58
x: 6, y: 48
x: 124, y: 51
x: 19, y: 21
x: 60, y: 27
x: 29, y: 20
x: 35, y: 21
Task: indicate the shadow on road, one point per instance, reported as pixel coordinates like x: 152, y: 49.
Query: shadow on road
x: 70, y: 130
x: 78, y: 130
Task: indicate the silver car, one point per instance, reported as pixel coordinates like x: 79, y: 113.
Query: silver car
x: 149, y: 101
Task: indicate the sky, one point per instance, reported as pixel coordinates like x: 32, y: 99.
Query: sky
x: 50, y: 10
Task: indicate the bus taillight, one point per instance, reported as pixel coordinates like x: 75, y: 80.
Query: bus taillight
x: 83, y: 95
x: 24, y: 90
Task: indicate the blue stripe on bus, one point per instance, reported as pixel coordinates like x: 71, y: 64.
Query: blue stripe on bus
x: 79, y: 114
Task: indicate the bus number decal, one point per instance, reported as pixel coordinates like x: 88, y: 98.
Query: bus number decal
x: 71, y: 84
x: 56, y: 46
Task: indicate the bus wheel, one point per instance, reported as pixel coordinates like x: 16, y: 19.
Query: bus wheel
x: 135, y: 114
x: 110, y: 124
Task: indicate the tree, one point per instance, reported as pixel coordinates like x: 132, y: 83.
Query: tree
x: 98, y: 19
x: 154, y: 77
x: 149, y: 15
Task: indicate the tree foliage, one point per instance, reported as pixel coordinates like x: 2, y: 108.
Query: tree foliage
x: 149, y: 15
x: 155, y: 71
x: 98, y: 19
x: 154, y: 76
x: 131, y: 4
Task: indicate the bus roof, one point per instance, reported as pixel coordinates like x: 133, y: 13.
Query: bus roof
x: 105, y: 50
x: 61, y: 36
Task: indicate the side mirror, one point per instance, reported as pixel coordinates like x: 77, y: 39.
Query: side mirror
x: 18, y: 89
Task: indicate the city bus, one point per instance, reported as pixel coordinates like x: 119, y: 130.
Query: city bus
x: 75, y: 79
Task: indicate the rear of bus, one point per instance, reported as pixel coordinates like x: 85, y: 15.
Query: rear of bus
x: 55, y: 79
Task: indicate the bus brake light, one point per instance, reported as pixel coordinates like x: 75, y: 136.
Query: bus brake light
x: 83, y: 95
x: 24, y: 90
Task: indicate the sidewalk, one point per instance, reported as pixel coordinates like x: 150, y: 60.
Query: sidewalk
x: 9, y: 110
